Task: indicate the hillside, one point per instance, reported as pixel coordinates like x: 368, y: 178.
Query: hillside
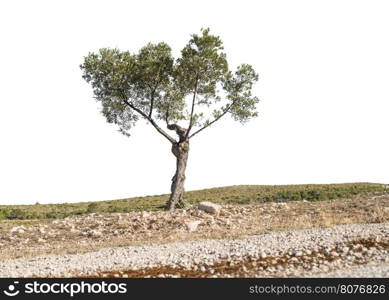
x: 243, y: 194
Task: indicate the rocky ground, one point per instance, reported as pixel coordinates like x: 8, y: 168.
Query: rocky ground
x: 86, y: 233
x: 243, y: 240
x: 309, y: 252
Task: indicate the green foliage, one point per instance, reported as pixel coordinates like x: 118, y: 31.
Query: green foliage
x: 151, y: 84
x: 239, y: 88
x: 227, y: 195
x: 16, y: 213
x: 92, y: 207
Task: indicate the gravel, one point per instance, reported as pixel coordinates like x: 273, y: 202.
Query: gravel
x: 365, y: 271
x: 331, y: 247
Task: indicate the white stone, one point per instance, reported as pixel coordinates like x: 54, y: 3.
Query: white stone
x: 334, y: 254
x: 298, y: 253
x: 95, y: 233
x: 192, y: 225
x: 145, y: 214
x: 209, y: 207
x: 17, y: 229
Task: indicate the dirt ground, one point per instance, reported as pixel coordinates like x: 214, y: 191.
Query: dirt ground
x: 91, y: 232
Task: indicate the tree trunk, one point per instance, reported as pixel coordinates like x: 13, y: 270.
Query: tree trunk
x: 180, y: 151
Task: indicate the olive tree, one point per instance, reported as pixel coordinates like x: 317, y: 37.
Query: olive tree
x: 184, y: 95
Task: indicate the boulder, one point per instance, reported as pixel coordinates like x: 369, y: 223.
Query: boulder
x: 209, y: 207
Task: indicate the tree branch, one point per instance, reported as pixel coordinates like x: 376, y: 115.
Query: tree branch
x: 216, y: 119
x: 192, y: 110
x: 151, y: 103
x: 167, y: 115
x: 152, y: 97
x: 159, y: 129
x: 219, y: 117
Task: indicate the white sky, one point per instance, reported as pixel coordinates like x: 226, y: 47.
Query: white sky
x: 324, y: 90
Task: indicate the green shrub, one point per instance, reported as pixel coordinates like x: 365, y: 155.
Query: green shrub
x: 52, y: 215
x: 92, y: 207
x: 2, y: 214
x: 16, y: 213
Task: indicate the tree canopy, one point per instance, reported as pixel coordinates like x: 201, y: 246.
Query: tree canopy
x: 189, y: 93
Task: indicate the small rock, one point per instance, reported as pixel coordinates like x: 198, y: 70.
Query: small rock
x: 209, y: 207
x: 334, y: 254
x: 298, y: 253
x: 145, y: 214
x: 17, y: 229
x: 95, y: 233
x: 279, y: 267
x: 192, y: 225
x: 196, y: 212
